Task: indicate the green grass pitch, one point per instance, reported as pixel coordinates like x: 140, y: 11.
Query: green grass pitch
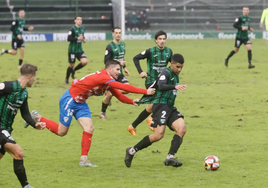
x: 225, y: 112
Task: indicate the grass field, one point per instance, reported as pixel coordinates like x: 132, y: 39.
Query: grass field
x: 225, y: 112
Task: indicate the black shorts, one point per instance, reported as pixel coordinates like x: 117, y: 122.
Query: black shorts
x: 4, y: 138
x: 164, y: 114
x: 122, y: 79
x: 16, y: 43
x: 239, y: 42
x: 73, y: 56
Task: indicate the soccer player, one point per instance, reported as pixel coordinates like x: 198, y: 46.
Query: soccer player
x: 165, y: 114
x: 242, y: 24
x: 115, y: 50
x: 264, y: 17
x: 17, y: 27
x: 76, y: 37
x: 73, y: 103
x: 14, y: 96
x: 157, y: 60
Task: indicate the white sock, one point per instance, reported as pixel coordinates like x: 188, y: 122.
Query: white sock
x: 170, y: 156
x: 83, y: 158
x: 132, y: 151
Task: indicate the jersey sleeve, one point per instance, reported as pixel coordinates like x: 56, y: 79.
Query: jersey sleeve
x: 121, y: 97
x: 5, y: 88
x: 108, y: 54
x: 162, y: 82
x: 126, y: 87
x: 237, y: 23
x: 137, y: 58
x: 71, y: 36
x: 25, y: 114
x: 13, y: 26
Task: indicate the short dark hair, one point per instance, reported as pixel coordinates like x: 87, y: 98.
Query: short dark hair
x: 28, y: 69
x: 21, y: 10
x: 159, y: 33
x: 177, y: 58
x: 77, y: 17
x: 116, y: 28
x: 111, y: 62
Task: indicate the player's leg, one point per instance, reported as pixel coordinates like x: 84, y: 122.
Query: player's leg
x: 248, y: 47
x: 105, y: 103
x: 142, y: 116
x: 16, y: 152
x: 179, y: 127
x: 236, y: 49
x: 83, y: 62
x: 71, y: 59
x: 21, y: 56
x: 13, y: 51
x: 83, y: 116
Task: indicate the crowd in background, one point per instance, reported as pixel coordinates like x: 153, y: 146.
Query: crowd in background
x: 136, y: 21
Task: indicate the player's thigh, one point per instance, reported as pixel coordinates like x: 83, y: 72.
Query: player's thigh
x: 82, y: 57
x: 179, y: 126
x: 248, y: 46
x: 67, y: 108
x: 86, y: 123
x: 14, y: 149
x: 21, y: 50
x: 149, y: 108
x: 7, y: 143
x: 238, y: 43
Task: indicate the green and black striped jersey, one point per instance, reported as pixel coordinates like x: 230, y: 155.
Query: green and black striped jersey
x: 115, y: 52
x: 17, y: 27
x: 157, y: 60
x: 239, y: 23
x: 10, y: 103
x: 75, y: 45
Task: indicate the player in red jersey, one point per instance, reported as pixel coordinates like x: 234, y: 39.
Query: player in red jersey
x: 73, y: 103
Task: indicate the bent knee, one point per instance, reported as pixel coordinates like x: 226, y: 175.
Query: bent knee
x: 19, y: 154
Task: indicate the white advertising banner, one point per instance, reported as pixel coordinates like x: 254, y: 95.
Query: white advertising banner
x: 59, y: 37
x: 5, y: 38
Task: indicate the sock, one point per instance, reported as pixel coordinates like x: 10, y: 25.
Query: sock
x: 231, y: 54
x: 143, y: 115
x: 144, y: 143
x: 175, y: 144
x: 104, y: 107
x: 50, y: 125
x: 6, y: 51
x: 20, y: 172
x: 69, y: 71
x: 79, y: 66
x: 249, y: 56
x: 20, y: 61
x: 86, y: 142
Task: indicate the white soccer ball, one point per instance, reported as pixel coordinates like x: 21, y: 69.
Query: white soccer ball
x: 211, y: 162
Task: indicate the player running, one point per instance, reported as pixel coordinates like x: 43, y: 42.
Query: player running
x: 73, y: 103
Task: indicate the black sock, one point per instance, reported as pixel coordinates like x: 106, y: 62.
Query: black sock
x: 20, y: 61
x: 79, y: 66
x: 249, y: 56
x: 231, y: 54
x: 6, y: 51
x: 144, y: 143
x: 175, y: 144
x: 104, y: 107
x: 143, y: 115
x: 20, y: 172
x: 69, y: 71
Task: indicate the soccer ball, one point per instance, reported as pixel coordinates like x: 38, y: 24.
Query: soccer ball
x: 211, y: 162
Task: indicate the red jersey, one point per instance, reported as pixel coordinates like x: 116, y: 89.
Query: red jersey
x: 97, y: 83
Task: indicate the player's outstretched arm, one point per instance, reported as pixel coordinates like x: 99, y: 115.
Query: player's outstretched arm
x: 121, y: 97
x: 131, y: 89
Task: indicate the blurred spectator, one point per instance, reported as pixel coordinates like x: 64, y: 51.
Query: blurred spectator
x: 134, y: 21
x: 143, y: 20
x: 127, y: 21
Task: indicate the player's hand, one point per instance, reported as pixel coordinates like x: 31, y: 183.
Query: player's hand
x: 126, y: 72
x: 40, y: 125
x: 261, y: 25
x: 180, y: 87
x: 150, y: 91
x: 135, y: 102
x: 81, y: 37
x: 122, y: 63
x: 84, y: 40
x: 143, y: 74
x: 251, y: 29
x: 19, y: 37
x: 244, y: 28
x: 30, y: 28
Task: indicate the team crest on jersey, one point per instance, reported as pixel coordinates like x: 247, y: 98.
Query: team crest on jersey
x: 167, y: 54
x: 162, y: 121
x: 65, y: 119
x: 142, y: 53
